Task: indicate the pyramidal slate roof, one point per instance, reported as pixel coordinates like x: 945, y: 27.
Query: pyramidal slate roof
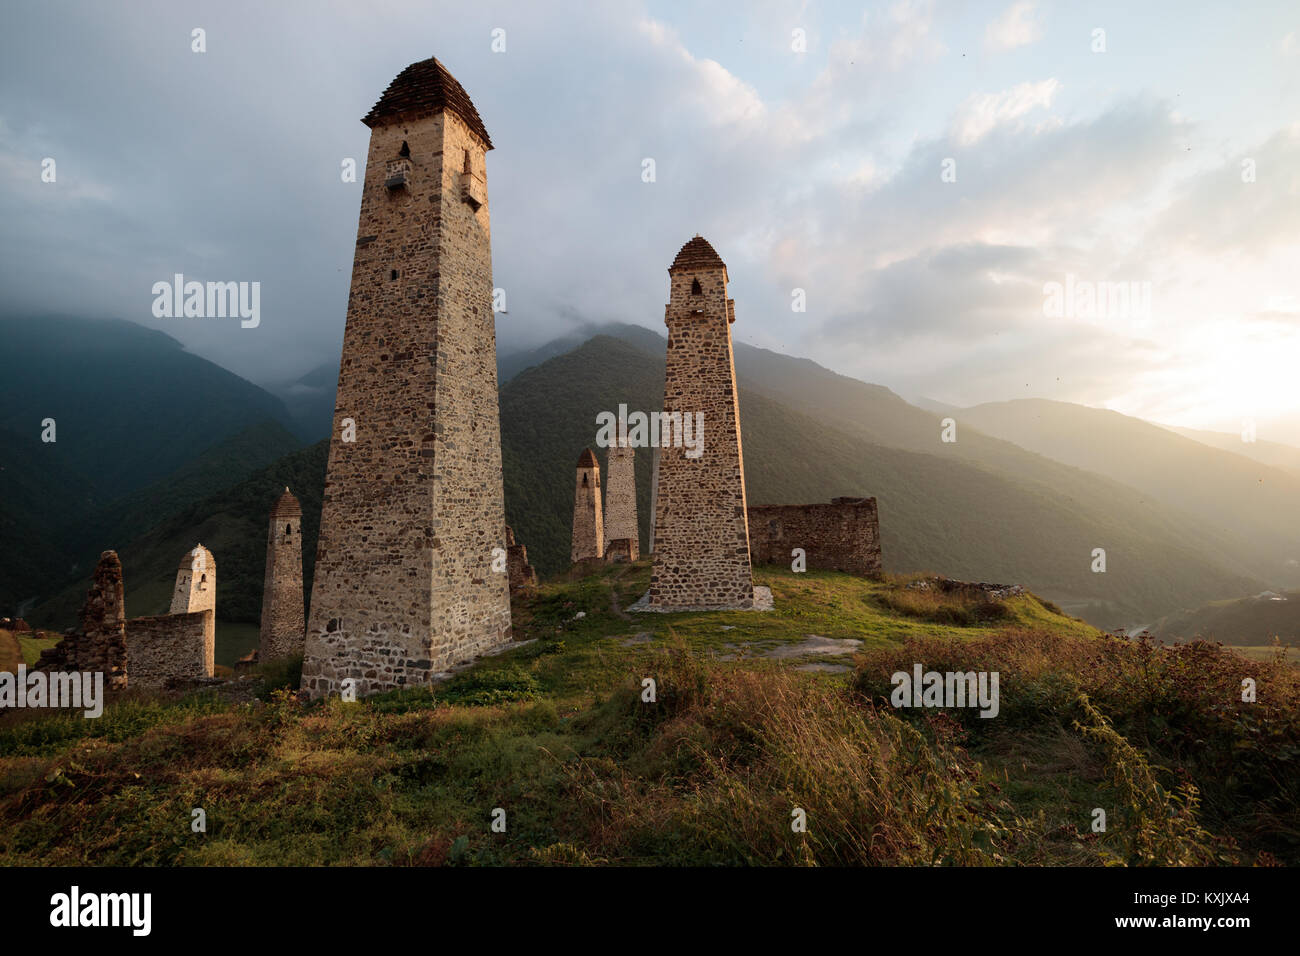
x: 287, y: 506
x: 425, y: 88
x: 697, y: 254
x: 587, y: 459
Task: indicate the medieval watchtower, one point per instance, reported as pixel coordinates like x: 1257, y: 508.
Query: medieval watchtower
x: 282, y: 611
x: 588, y: 524
x: 413, y: 504
x: 620, y: 500
x: 701, y: 537
x: 196, y: 583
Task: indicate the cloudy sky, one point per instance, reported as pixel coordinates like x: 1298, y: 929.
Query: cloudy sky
x: 923, y: 171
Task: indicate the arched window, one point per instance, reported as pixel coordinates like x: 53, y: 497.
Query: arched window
x: 405, y: 151
x: 584, y: 481
x: 695, y: 287
x: 288, y: 530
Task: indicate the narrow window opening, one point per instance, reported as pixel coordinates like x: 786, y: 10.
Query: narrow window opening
x: 467, y: 168
x: 584, y: 481
x: 393, y: 275
x: 695, y: 287
x: 405, y: 151
x: 288, y: 530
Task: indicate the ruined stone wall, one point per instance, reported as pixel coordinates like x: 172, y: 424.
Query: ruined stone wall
x: 620, y: 499
x: 283, y: 627
x: 170, y: 647
x: 588, y: 540
x: 414, y: 507
x: 841, y: 536
x: 523, y: 577
x: 98, y: 644
x: 701, y: 536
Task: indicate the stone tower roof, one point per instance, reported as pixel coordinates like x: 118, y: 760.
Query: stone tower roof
x: 423, y: 89
x: 697, y: 254
x: 287, y: 506
x: 586, y: 459
x: 187, y: 559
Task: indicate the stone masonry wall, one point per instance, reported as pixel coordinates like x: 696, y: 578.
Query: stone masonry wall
x: 701, y: 544
x: 620, y: 499
x: 414, y: 507
x: 283, y: 627
x: 588, y: 541
x: 170, y: 647
x: 841, y: 536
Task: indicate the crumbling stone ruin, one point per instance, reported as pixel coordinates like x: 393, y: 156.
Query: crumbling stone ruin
x: 98, y: 643
x: 841, y: 536
x: 147, y: 652
x: 181, y: 645
x: 701, y: 539
x: 588, y: 522
x: 15, y: 624
x: 621, y: 551
x: 620, y: 505
x: 522, y: 575
x: 282, y: 612
x: 979, y: 590
x: 413, y: 504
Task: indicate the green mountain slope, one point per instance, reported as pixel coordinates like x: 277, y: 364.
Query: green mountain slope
x: 940, y: 512
x: 1242, y: 502
x: 1248, y: 621
x: 131, y: 405
x: 38, y: 493
x: 981, y: 508
x: 231, y: 523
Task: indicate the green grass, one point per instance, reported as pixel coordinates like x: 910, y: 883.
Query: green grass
x: 556, y: 733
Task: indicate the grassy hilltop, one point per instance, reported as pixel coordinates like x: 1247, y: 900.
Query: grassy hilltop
x: 756, y: 714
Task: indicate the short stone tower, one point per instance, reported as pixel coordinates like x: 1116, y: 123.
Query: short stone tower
x: 196, y: 583
x: 413, y: 504
x: 701, y: 543
x: 588, y: 524
x: 620, y: 500
x: 282, y: 612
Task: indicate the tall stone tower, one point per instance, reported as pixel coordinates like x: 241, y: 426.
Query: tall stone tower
x: 588, y: 525
x: 413, y: 504
x: 654, y: 495
x: 701, y: 545
x: 620, y: 500
x: 282, y: 613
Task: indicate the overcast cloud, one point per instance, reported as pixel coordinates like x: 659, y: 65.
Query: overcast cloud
x: 819, y: 170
